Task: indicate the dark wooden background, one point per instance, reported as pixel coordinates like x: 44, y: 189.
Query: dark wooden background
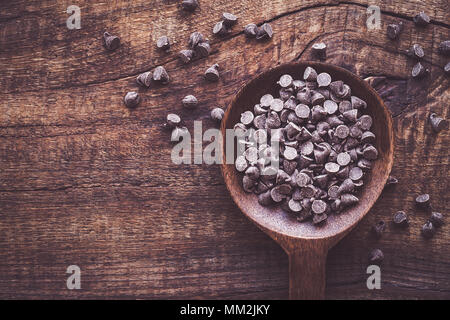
x: 86, y: 181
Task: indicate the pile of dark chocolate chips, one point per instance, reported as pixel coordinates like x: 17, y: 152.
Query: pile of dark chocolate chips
x: 325, y: 146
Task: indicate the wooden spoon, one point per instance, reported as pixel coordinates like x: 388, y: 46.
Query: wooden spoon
x: 307, y: 245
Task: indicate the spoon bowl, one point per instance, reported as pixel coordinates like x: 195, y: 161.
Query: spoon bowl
x: 306, y: 244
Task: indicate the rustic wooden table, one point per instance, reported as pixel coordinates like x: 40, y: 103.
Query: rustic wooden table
x: 85, y: 181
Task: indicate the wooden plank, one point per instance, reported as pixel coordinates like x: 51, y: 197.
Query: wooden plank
x: 86, y: 181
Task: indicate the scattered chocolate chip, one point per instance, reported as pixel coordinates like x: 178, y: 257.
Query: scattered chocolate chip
x: 145, y: 79
x: 400, y: 219
x: 437, y: 123
x: 189, y: 5
x: 437, y: 219
x: 310, y: 74
x: 428, y: 230
x: 229, y: 19
x: 190, y: 101
x: 220, y: 29
x: 163, y: 43
x: 212, y: 73
x: 378, y: 229
x: 444, y: 48
x: 247, y: 117
x: 421, y: 19
x: 319, y: 50
x: 264, y: 32
x: 132, y: 99
x: 323, y: 79
x: 285, y: 81
x: 173, y: 120
x: 195, y: 38
x: 186, y: 55
x: 419, y: 71
x: 217, y: 114
x: 416, y: 51
x: 391, y: 181
x: 110, y: 41
x: 376, y: 256
x: 160, y: 75
x: 203, y: 49
x: 178, y: 133
x: 393, y: 30
x: 250, y: 30
x: 423, y: 201
x: 447, y: 68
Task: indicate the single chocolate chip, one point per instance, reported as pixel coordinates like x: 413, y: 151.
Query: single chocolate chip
x: 217, y: 114
x: 370, y: 153
x: 444, y: 48
x: 195, y: 38
x: 285, y: 81
x: 294, y: 205
x: 160, y: 75
x: 348, y: 199
x: 163, y: 43
x: 342, y: 131
x: 393, y: 30
x: 190, y: 101
x: 110, y: 41
x: 332, y: 167
x: 250, y: 30
x: 351, y: 115
x: 357, y: 103
x: 416, y: 51
x: 186, y: 55
x: 391, y: 181
x: 323, y: 79
x: 264, y: 32
x: 378, y: 229
x: 437, y: 219
x: 319, y: 218
x: 428, y: 230
x: 365, y: 122
x: 265, y: 199
x: 266, y: 100
x: 189, y: 5
x: 400, y: 219
x: 423, y: 201
x: 421, y: 19
x: 277, y: 105
x: 447, y: 68
x: 220, y: 29
x: 229, y: 19
x: 241, y: 164
x: 419, y: 71
x: 319, y: 50
x: 173, y: 120
x: 273, y: 120
x: 203, y: 49
x: 247, y: 117
x: 212, y: 73
x: 132, y: 99
x: 310, y: 74
x: 178, y: 133
x: 319, y: 206
x: 145, y: 79
x: 330, y: 106
x: 347, y: 186
x: 437, y: 123
x: 343, y: 159
x: 290, y: 153
x: 376, y: 256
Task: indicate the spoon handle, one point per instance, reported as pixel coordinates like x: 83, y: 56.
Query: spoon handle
x: 307, y: 273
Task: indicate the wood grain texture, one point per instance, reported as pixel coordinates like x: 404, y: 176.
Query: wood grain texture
x: 85, y: 181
